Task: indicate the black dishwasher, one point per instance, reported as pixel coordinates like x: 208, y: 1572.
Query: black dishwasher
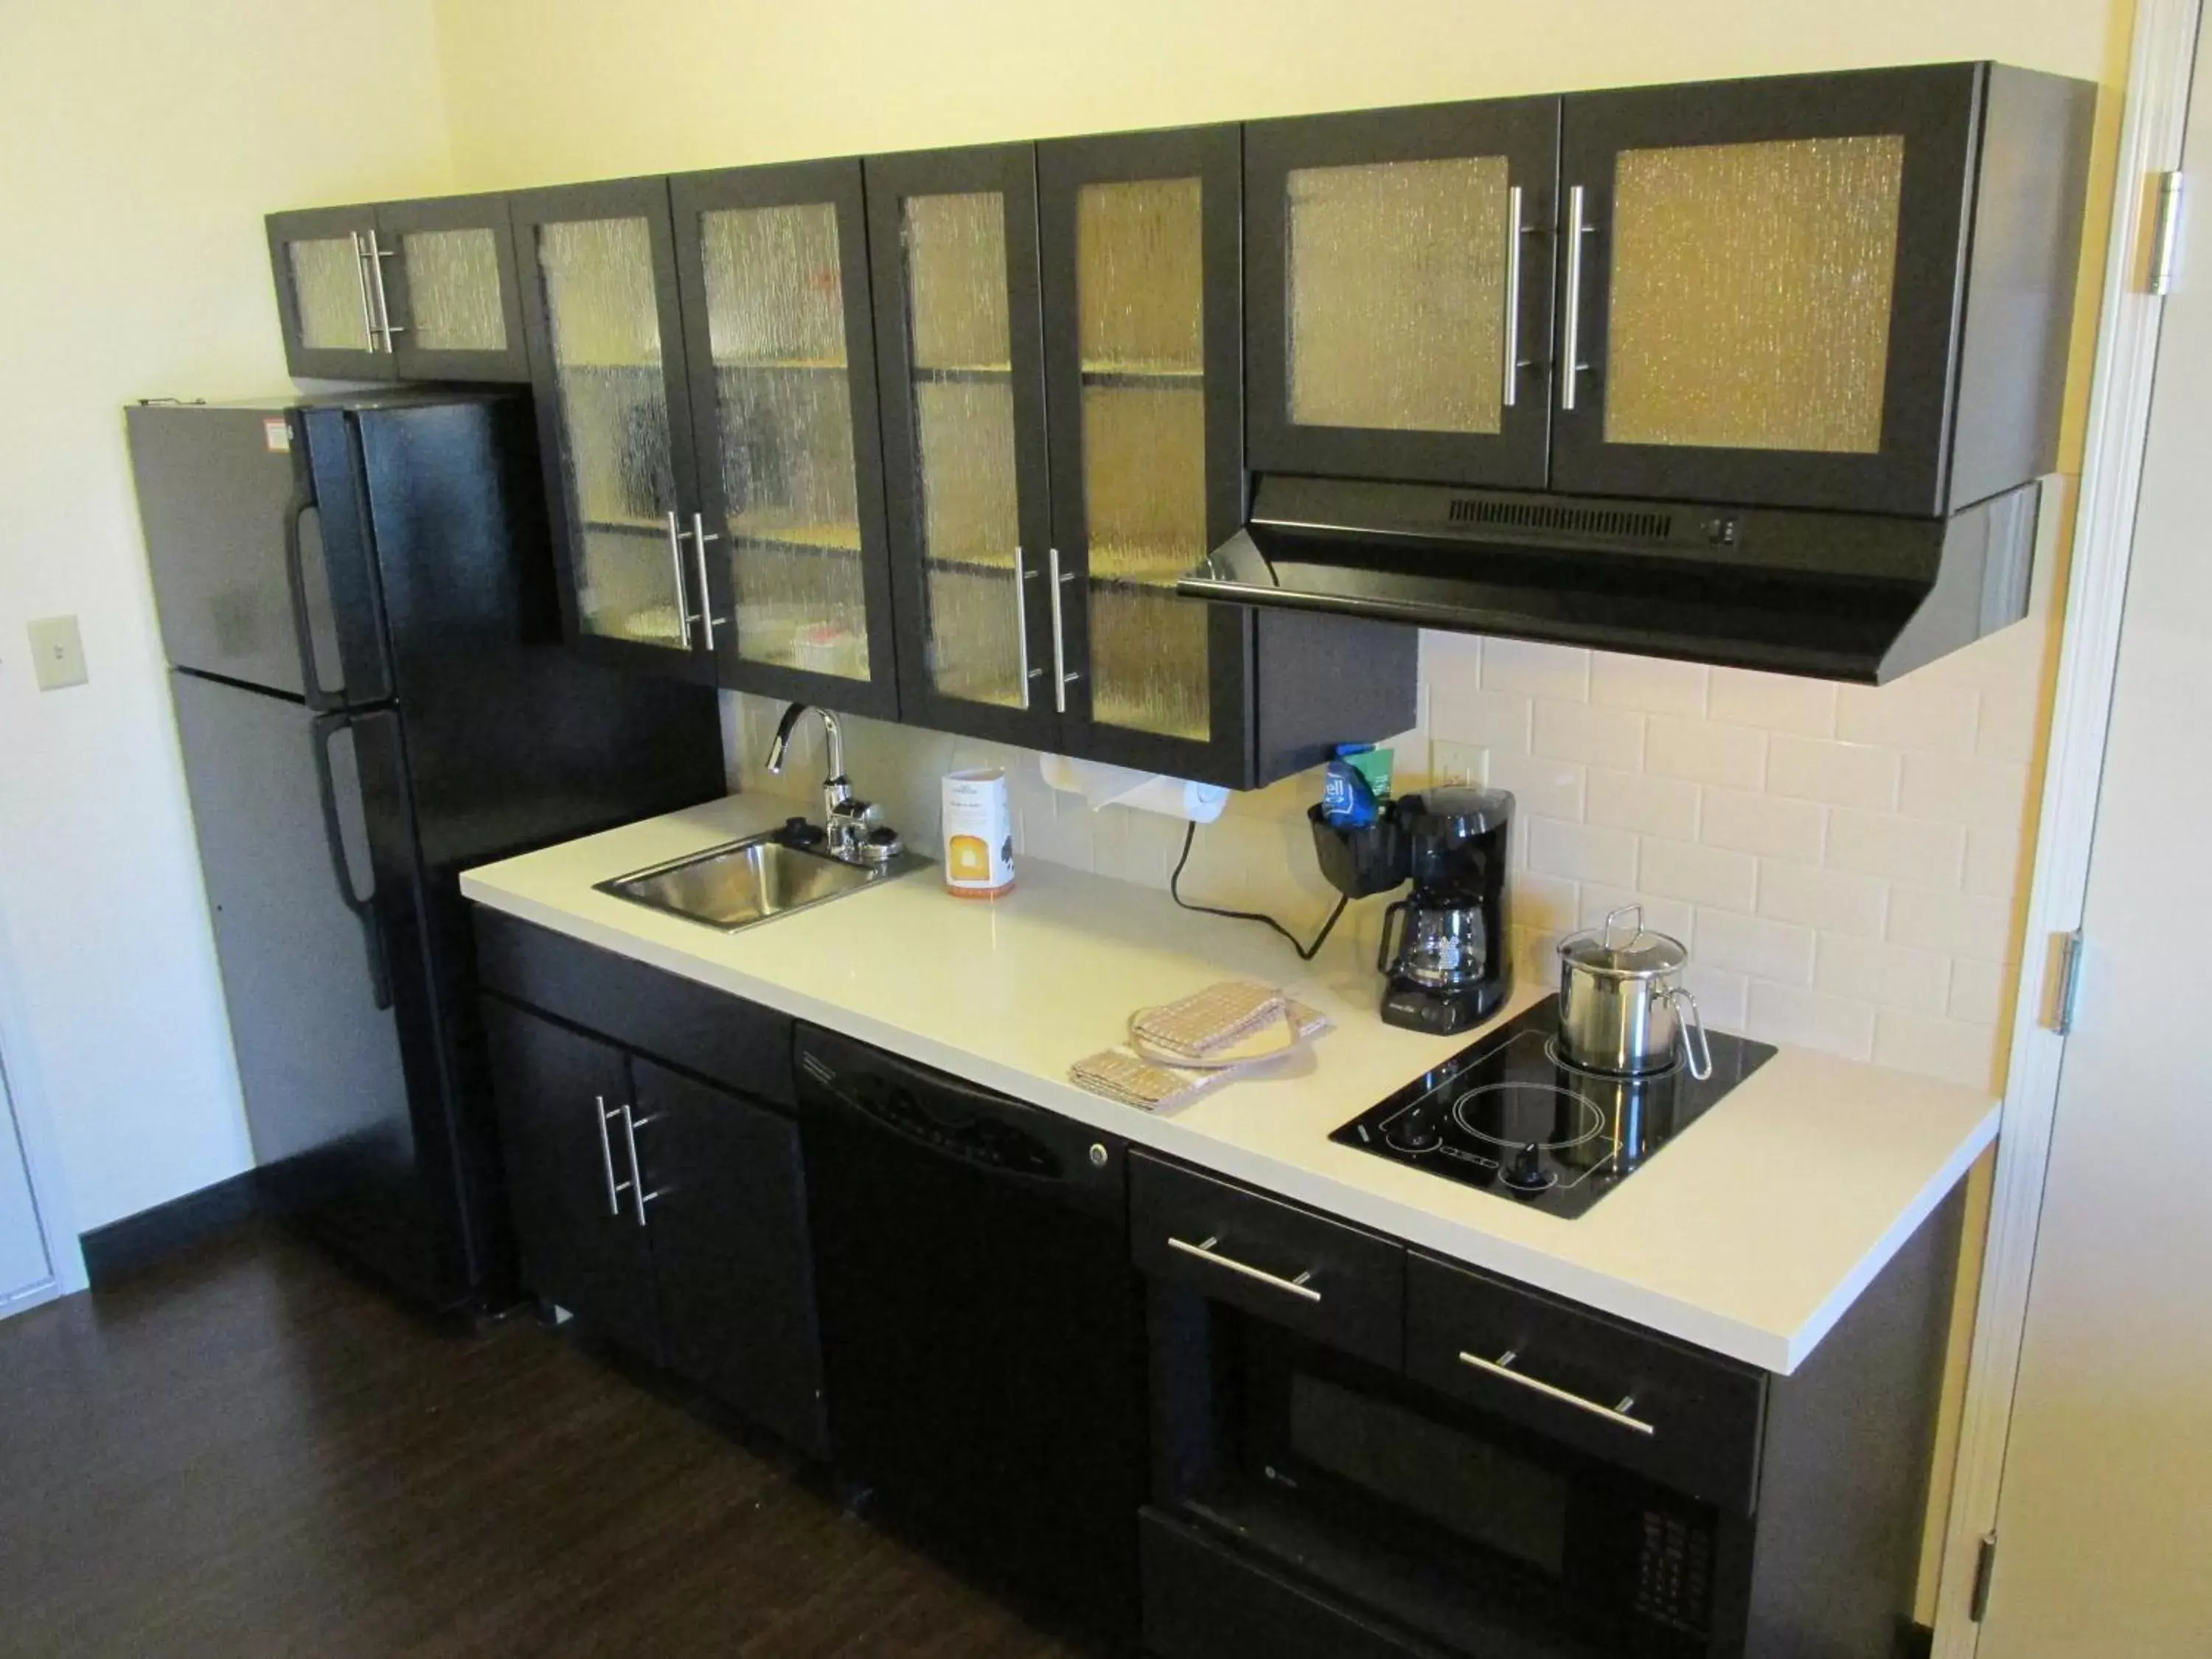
x: 982, y: 1327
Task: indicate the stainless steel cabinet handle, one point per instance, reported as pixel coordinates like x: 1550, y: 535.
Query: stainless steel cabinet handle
x: 1062, y: 680
x: 615, y: 1188
x: 1023, y: 576
x: 1571, y: 330
x: 1503, y: 1366
x: 1513, y: 232
x: 361, y: 276
x: 638, y: 1196
x: 1206, y: 1252
x: 700, y: 537
x: 377, y: 256
x: 675, y: 561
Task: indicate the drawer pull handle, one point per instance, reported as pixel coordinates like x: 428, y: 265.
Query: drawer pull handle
x: 1206, y: 1252
x: 1503, y: 1366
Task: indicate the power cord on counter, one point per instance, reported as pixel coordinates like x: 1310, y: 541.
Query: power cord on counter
x: 1306, y: 952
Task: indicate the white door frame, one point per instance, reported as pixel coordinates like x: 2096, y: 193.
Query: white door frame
x: 19, y: 1087
x: 2155, y: 113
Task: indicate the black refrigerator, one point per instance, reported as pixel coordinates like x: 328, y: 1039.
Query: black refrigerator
x: 357, y: 604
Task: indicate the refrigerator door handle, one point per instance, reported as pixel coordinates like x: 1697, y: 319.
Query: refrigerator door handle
x: 295, y: 577
x: 326, y: 728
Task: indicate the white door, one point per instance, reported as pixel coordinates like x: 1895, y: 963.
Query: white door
x: 24, y: 1268
x: 2104, y: 1514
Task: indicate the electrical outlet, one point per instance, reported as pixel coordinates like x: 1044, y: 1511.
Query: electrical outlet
x: 57, y: 652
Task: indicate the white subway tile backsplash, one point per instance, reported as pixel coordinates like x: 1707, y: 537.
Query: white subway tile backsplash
x: 1890, y: 975
x: 1640, y: 800
x: 1947, y: 1048
x: 1994, y: 862
x: 1774, y: 702
x: 1558, y: 671
x: 1778, y: 950
x: 1546, y: 904
x: 1704, y: 752
x: 1981, y: 795
x: 1481, y: 719
x: 1664, y: 915
x: 1702, y: 875
x: 1840, y: 774
x: 1649, y: 683
x: 1583, y: 731
x: 1827, y: 901
x: 1958, y: 924
x: 1930, y: 716
x: 1901, y: 850
x: 1723, y: 995
x: 1978, y: 993
x: 1453, y: 763
x: 1548, y: 788
x: 1767, y: 824
x: 1784, y: 1013
x: 1581, y: 852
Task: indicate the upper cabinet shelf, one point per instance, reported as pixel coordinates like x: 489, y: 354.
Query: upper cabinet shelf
x: 422, y: 291
x: 1848, y: 291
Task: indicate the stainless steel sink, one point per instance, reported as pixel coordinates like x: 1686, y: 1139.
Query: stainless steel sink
x: 745, y: 881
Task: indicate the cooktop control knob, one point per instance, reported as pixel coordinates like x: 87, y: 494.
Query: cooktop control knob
x: 1526, y: 1173
x: 1412, y: 1132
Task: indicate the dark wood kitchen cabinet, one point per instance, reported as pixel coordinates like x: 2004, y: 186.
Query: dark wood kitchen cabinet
x: 418, y: 290
x: 1059, y: 331
x: 1847, y: 290
x: 665, y: 1212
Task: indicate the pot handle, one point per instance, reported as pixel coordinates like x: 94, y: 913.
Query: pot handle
x: 1696, y: 1051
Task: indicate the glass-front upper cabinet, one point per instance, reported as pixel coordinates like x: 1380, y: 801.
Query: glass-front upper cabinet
x: 1761, y: 287
x: 1399, y: 291
x: 779, y: 342
x: 600, y: 302
x: 422, y: 290
x: 953, y: 259
x: 1142, y: 291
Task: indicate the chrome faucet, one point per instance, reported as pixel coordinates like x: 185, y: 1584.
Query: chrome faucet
x: 855, y: 827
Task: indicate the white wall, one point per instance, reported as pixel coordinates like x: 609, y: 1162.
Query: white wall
x: 141, y: 141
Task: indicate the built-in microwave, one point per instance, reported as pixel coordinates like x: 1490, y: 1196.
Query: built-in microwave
x: 1348, y: 1483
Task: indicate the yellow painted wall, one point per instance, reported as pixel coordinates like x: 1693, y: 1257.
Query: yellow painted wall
x: 543, y: 90
x: 141, y: 141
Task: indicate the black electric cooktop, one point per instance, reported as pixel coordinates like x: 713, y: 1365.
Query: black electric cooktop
x: 1507, y: 1114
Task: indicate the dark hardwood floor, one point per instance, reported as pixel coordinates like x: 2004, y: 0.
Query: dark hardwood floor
x: 245, y: 1452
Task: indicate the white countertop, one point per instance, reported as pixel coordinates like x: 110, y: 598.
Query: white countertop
x: 1750, y: 1234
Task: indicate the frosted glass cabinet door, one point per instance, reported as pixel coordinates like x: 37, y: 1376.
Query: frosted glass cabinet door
x: 1139, y: 237
x: 1400, y: 291
x: 325, y: 301
x: 614, y: 430
x: 450, y: 290
x: 953, y: 252
x: 780, y: 342
x: 1762, y: 288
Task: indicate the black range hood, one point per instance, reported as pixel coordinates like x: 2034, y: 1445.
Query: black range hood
x: 1840, y: 596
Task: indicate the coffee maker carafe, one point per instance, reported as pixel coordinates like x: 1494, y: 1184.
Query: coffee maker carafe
x: 1445, y: 945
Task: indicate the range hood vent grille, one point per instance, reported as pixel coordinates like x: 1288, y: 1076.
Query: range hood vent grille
x: 1583, y: 520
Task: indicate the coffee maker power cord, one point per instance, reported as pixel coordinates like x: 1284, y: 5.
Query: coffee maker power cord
x: 1306, y: 952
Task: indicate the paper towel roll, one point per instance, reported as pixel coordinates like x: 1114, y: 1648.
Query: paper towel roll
x: 1103, y: 784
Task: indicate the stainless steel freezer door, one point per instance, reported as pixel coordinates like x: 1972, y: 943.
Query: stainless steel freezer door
x: 319, y: 1061
x: 215, y: 486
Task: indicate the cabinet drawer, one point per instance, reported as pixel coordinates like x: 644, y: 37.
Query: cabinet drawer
x: 1203, y: 1600
x: 1686, y: 1417
x: 735, y: 1042
x: 1289, y: 1266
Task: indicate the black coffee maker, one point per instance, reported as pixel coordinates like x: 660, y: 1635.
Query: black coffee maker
x: 1445, y: 945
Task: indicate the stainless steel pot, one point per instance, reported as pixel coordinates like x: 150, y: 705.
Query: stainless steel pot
x: 1620, y: 986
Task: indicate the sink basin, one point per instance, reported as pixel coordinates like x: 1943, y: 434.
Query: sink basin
x: 745, y: 881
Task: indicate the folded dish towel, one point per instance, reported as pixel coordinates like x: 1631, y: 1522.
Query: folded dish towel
x: 1206, y: 1021
x: 1137, y: 1078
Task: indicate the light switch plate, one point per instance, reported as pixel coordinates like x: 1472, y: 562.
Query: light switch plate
x: 57, y: 652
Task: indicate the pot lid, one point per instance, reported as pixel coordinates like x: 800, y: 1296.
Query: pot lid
x: 1622, y: 946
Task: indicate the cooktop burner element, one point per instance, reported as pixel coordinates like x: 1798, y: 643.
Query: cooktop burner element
x: 1507, y: 1114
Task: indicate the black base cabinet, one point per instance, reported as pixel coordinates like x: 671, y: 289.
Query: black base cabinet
x: 667, y: 1215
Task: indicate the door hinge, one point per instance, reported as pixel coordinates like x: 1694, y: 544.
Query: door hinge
x: 2165, y: 234
x: 2065, y: 980
x: 1985, y: 1566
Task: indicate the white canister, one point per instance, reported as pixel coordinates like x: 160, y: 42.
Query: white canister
x: 979, y: 834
